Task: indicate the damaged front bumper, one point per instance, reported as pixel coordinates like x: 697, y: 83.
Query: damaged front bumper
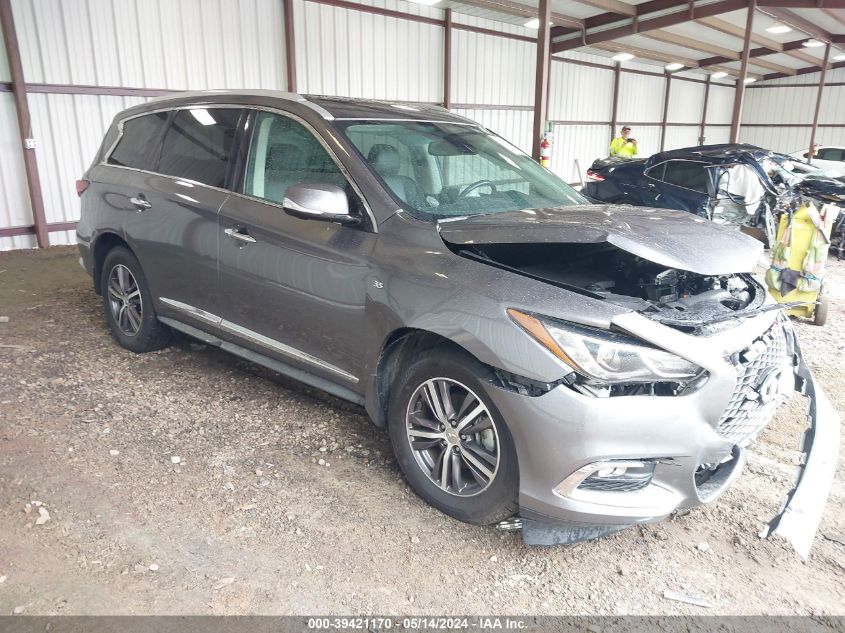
x: 674, y: 437
x: 802, y: 509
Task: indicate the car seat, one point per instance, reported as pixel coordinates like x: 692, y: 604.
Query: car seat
x: 385, y: 160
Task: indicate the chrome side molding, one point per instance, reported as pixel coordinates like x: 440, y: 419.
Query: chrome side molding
x: 255, y: 337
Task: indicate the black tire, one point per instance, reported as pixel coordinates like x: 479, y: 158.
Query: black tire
x: 498, y: 500
x: 151, y: 333
x: 822, y: 307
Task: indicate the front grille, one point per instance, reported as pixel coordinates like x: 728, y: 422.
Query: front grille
x: 752, y: 405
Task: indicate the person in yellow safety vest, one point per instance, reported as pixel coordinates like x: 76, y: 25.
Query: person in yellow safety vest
x: 624, y: 146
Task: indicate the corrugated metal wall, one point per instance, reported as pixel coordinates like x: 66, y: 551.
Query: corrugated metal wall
x: 780, y: 112
x: 346, y: 52
x: 190, y: 44
x: 494, y: 71
x: 582, y: 133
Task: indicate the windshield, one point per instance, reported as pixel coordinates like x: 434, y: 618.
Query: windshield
x: 438, y: 170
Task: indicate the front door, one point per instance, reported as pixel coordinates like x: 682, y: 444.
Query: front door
x: 293, y: 288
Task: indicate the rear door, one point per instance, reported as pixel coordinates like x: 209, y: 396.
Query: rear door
x: 294, y: 288
x: 173, y: 227
x: 682, y: 185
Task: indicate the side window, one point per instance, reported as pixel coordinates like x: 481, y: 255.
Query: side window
x: 831, y: 153
x: 139, y: 143
x: 687, y: 174
x: 657, y: 171
x: 198, y: 144
x: 284, y: 153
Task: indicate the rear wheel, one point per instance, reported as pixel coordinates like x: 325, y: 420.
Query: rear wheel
x: 450, y: 440
x: 128, y: 304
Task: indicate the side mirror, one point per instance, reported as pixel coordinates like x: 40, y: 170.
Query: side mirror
x: 319, y: 202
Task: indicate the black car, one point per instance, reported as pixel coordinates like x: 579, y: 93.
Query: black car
x: 807, y: 179
x: 725, y: 183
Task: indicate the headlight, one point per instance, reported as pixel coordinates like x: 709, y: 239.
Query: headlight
x: 605, y: 356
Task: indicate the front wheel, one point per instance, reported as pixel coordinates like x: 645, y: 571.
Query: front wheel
x: 450, y: 440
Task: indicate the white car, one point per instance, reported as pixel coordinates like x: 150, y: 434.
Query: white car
x: 828, y: 157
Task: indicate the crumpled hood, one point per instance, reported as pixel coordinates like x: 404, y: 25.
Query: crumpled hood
x: 674, y: 239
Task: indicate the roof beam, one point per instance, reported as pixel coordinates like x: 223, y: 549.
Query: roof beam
x: 728, y: 28
x: 790, y: 48
x: 643, y: 8
x: 690, y: 12
x: 508, y: 7
x: 803, y: 71
x: 611, y: 6
x: 650, y: 6
x: 760, y: 63
x: 721, y: 54
x: 839, y: 17
x: 803, y: 4
x: 797, y: 22
x: 644, y: 53
x: 687, y: 42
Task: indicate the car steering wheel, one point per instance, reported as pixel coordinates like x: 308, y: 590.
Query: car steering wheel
x: 478, y: 183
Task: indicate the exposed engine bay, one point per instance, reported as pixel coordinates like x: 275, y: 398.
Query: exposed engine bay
x: 677, y: 298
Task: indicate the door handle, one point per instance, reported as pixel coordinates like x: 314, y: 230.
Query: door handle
x: 240, y: 236
x: 140, y: 202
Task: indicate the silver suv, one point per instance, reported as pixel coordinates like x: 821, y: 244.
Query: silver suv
x: 538, y: 361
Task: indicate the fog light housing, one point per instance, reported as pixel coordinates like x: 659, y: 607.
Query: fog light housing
x: 608, y: 476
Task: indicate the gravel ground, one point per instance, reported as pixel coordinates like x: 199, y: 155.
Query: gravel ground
x: 189, y: 482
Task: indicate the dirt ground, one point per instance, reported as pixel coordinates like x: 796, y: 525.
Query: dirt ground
x: 190, y: 482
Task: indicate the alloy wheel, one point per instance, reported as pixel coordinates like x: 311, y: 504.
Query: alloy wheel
x: 125, y: 302
x: 453, y: 437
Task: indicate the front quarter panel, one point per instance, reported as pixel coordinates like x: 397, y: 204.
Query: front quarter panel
x: 419, y: 283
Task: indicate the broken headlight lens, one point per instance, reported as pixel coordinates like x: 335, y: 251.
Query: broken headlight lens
x: 606, y: 357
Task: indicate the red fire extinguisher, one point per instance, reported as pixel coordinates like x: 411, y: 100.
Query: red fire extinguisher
x: 546, y: 151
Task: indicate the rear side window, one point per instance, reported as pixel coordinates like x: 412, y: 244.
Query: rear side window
x: 139, y: 143
x: 831, y: 153
x: 198, y: 145
x: 687, y: 174
x: 284, y: 153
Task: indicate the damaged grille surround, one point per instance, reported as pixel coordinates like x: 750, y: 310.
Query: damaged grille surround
x: 765, y: 380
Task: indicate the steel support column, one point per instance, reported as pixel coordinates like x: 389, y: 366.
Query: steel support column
x: 739, y: 95
x: 7, y: 23
x: 819, y: 102
x: 701, y: 133
x: 290, y: 44
x: 665, y: 111
x: 617, y: 75
x: 447, y: 61
x: 541, y: 85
